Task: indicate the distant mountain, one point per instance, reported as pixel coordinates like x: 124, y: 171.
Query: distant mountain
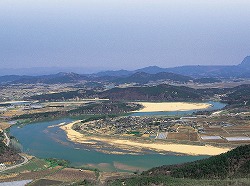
x: 51, y: 79
x: 156, y: 93
x: 39, y: 71
x: 196, y: 71
x: 126, y: 73
x: 233, y: 164
x: 244, y: 67
x: 245, y: 63
x: 117, y: 73
x: 143, y: 77
x: 62, y: 77
x: 10, y: 78
x: 151, y: 70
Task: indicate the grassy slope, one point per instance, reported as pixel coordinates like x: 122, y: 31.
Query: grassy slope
x: 170, y: 181
x: 235, y: 163
x: 231, y: 168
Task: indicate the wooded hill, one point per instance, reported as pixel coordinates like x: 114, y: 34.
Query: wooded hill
x: 88, y: 109
x: 7, y: 154
x: 233, y: 164
x: 64, y: 95
x: 155, y: 93
x: 143, y: 78
x: 239, y: 95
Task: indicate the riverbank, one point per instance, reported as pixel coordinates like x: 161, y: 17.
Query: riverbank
x: 171, y: 106
x: 156, y: 146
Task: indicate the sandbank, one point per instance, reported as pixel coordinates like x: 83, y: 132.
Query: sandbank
x: 156, y: 146
x: 58, y: 125
x: 122, y: 166
x: 171, y: 106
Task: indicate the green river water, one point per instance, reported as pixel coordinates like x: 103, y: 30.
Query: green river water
x: 39, y: 140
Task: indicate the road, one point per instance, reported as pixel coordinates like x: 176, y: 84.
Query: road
x: 7, y: 139
x: 18, y: 165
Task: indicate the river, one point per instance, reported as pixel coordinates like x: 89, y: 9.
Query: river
x: 39, y: 140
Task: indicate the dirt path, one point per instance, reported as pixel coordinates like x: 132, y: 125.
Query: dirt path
x: 18, y: 165
x: 7, y: 139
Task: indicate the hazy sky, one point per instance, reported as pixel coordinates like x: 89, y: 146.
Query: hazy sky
x: 128, y: 34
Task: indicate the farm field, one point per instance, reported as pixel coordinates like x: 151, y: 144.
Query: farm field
x: 72, y: 175
x: 34, y: 164
x: 43, y: 172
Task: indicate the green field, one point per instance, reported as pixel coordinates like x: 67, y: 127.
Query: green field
x: 34, y: 164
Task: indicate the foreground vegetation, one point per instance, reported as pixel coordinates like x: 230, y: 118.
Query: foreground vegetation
x: 233, y: 164
x: 34, y: 164
x: 49, y: 171
x: 8, y: 154
x: 231, y: 168
x: 170, y: 181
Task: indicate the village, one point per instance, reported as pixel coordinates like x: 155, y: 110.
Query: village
x: 204, y: 129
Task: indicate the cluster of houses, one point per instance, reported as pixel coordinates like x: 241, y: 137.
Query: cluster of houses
x: 185, y: 128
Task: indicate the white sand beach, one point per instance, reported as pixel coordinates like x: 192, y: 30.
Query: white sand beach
x: 171, y: 106
x: 156, y: 146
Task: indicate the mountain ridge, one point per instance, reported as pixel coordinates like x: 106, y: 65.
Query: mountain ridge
x: 245, y: 63
x: 241, y: 70
x: 143, y: 77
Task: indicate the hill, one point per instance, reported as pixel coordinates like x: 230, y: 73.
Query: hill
x: 233, y: 164
x: 46, y: 79
x: 116, y: 77
x: 143, y: 77
x: 63, y: 95
x: 52, y: 79
x: 231, y: 168
x: 10, y: 78
x: 8, y: 154
x: 196, y: 71
x: 117, y: 73
x: 156, y: 93
x: 161, y: 92
x: 245, y: 63
x: 207, y: 80
x: 151, y: 70
x: 239, y: 96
